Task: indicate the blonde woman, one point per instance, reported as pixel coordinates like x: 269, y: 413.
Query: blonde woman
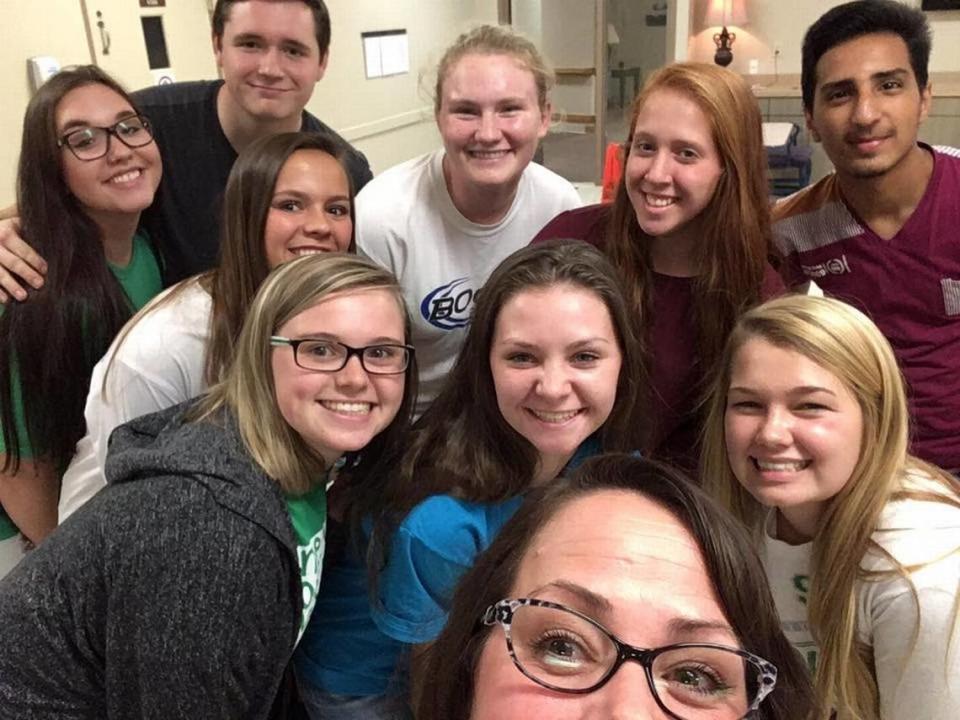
x: 182, y: 588
x: 443, y: 221
x: 807, y: 443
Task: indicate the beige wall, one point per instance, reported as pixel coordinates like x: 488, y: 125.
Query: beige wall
x: 781, y: 24
x: 390, y: 119
x: 28, y: 29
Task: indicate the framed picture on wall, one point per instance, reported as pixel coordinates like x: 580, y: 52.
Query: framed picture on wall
x: 940, y: 5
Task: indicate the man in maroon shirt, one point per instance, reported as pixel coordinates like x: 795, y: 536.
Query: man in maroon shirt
x: 883, y: 231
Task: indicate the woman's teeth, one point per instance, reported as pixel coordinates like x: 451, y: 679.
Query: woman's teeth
x: 781, y: 465
x: 347, y: 408
x: 127, y: 176
x: 555, y: 417
x: 659, y: 201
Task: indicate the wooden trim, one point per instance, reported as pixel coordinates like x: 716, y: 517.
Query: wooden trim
x: 575, y: 118
x: 504, y: 13
x: 600, y: 88
x: 575, y: 72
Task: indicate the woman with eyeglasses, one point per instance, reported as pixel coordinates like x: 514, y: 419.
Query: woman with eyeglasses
x: 88, y: 167
x: 545, y: 379
x: 807, y: 442
x: 620, y: 591
x: 287, y: 195
x: 182, y: 588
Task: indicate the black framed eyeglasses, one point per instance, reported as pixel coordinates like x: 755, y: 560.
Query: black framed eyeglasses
x: 331, y: 356
x: 91, y: 143
x: 566, y: 651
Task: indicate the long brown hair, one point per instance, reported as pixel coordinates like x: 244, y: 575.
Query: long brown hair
x: 243, y: 262
x: 449, y: 669
x: 51, y: 343
x: 732, y: 255
x: 462, y: 445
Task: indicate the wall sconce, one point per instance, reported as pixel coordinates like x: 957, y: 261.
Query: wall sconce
x: 722, y: 13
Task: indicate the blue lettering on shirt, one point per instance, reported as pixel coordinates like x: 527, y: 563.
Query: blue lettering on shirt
x: 449, y: 306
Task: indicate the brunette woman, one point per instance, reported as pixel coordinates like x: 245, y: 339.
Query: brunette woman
x: 88, y: 167
x: 622, y: 564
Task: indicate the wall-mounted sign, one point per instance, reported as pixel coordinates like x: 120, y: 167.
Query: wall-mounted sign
x: 385, y: 52
x: 153, y: 3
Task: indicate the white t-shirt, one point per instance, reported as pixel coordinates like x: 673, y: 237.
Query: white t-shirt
x: 407, y: 223
x: 915, y: 681
x: 159, y: 363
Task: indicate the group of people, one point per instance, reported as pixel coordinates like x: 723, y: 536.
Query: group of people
x: 457, y: 447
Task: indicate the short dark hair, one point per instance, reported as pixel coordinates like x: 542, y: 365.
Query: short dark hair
x: 733, y: 566
x: 321, y: 20
x: 864, y: 17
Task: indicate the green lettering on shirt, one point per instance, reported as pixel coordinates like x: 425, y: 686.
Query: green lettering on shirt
x: 308, y: 515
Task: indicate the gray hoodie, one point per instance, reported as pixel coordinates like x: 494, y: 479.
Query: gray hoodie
x: 174, y: 593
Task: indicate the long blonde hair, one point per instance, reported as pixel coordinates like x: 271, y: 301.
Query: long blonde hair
x: 843, y: 341
x: 247, y: 388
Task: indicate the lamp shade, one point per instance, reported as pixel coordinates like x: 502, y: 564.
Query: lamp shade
x: 726, y: 12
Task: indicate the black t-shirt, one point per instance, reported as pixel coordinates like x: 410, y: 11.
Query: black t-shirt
x: 184, y: 219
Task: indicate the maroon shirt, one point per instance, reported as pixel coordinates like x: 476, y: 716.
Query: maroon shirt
x: 674, y: 375
x: 909, y: 285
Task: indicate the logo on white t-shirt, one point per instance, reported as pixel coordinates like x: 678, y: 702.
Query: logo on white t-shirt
x: 449, y: 306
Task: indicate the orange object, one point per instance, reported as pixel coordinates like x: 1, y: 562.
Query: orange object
x: 612, y: 172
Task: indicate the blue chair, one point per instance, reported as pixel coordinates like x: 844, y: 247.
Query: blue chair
x: 793, y: 157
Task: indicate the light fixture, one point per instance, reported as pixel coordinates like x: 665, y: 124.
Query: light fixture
x: 722, y: 13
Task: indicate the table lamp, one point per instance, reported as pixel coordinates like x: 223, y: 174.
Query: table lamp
x: 722, y: 13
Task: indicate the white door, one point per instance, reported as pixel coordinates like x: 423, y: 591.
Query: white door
x: 117, y: 32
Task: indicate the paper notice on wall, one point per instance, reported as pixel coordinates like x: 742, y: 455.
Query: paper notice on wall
x: 371, y: 56
x: 394, y: 54
x: 385, y: 52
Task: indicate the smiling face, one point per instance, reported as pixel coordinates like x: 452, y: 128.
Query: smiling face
x: 270, y: 60
x: 555, y: 362
x: 122, y: 182
x: 793, y: 431
x: 490, y: 121
x: 310, y: 209
x: 626, y: 562
x: 338, y: 412
x: 673, y: 166
x: 867, y: 107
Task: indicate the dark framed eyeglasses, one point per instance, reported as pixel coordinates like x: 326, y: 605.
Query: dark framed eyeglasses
x: 566, y: 651
x: 331, y: 356
x: 91, y: 143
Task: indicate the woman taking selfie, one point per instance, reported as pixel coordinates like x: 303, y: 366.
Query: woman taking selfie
x: 287, y: 195
x: 807, y: 443
x: 442, y: 222
x: 620, y: 565
x: 689, y: 232
x: 181, y: 589
x: 88, y: 167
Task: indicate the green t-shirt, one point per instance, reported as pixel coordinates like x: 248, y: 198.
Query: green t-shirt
x: 308, y: 514
x: 140, y: 280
